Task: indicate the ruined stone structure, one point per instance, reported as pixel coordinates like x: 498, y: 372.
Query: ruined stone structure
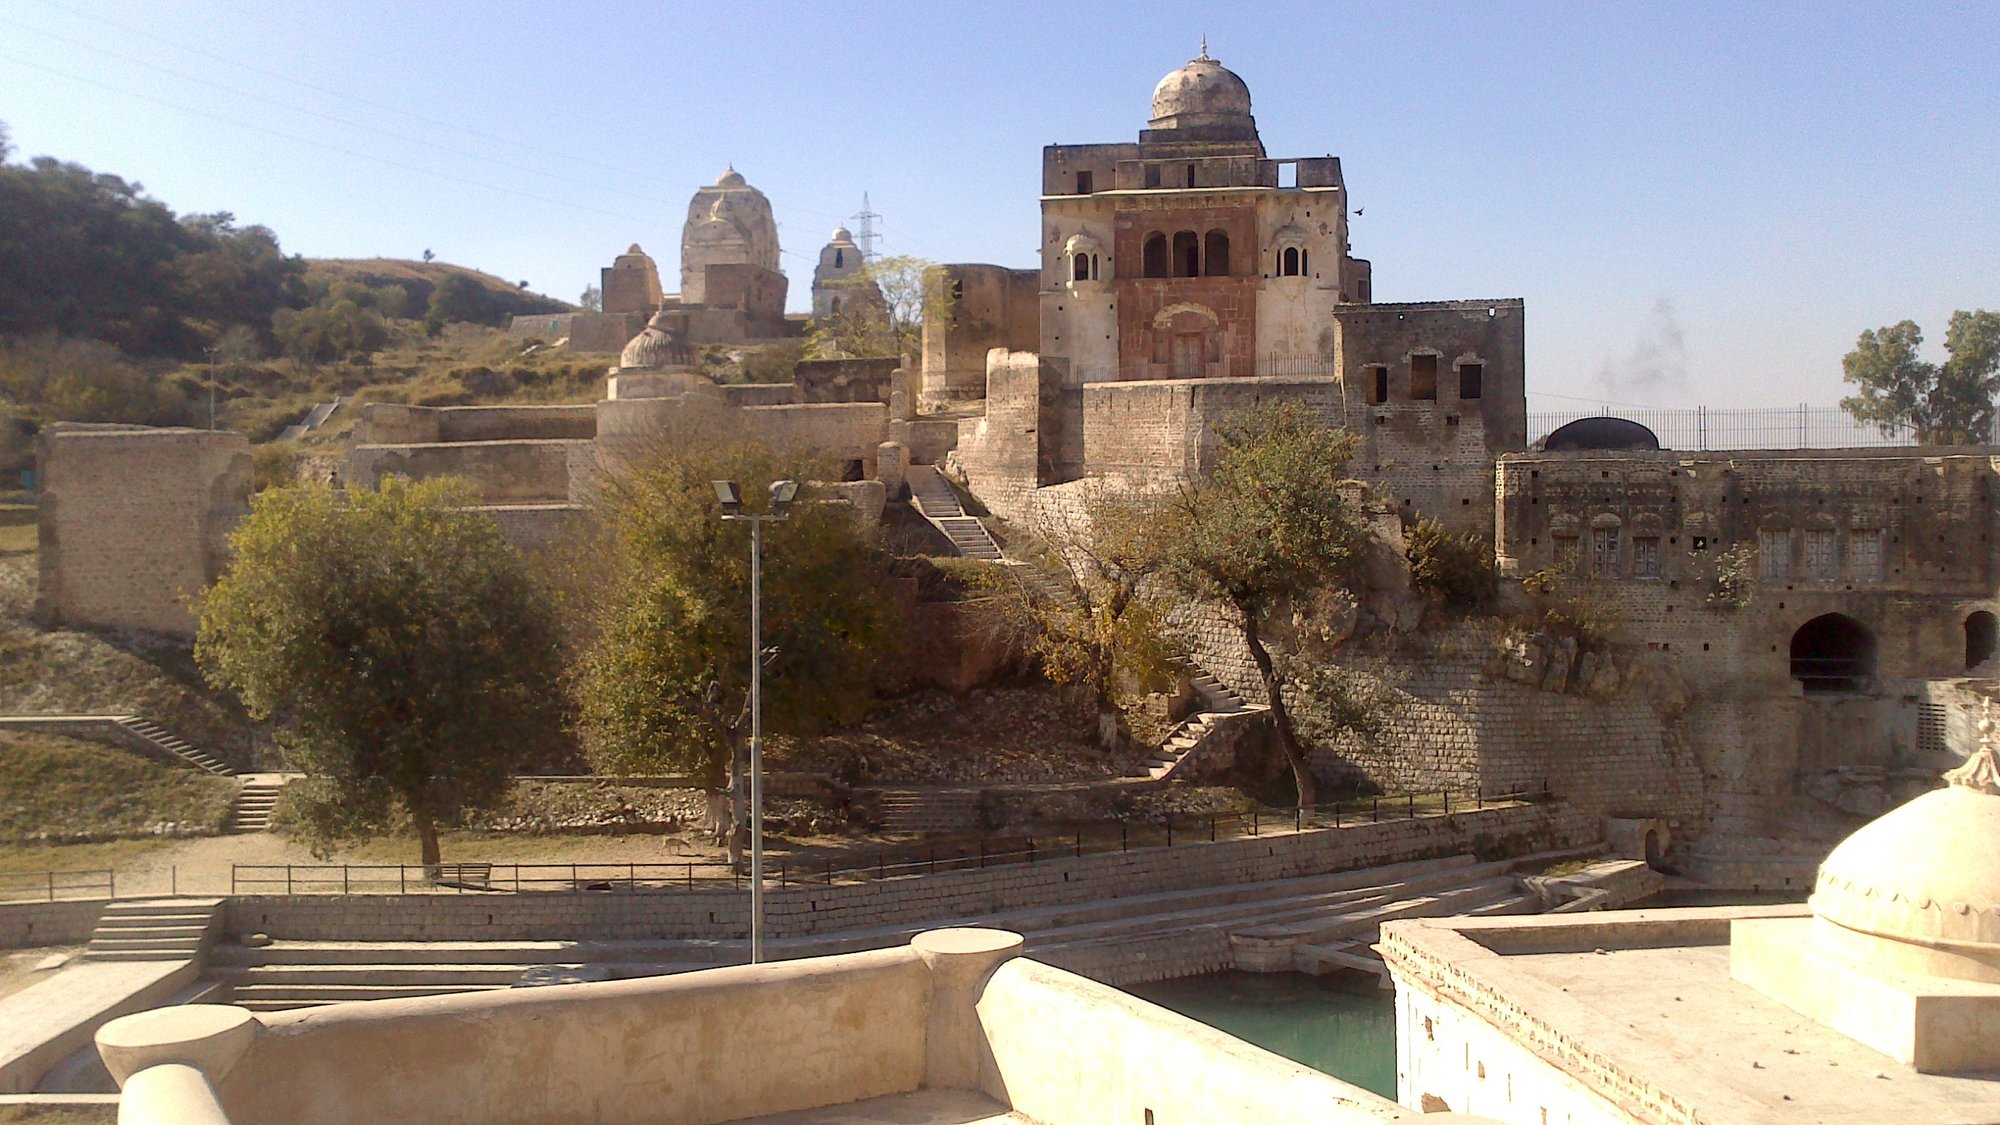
x: 732, y: 289
x: 983, y: 307
x: 838, y: 260
x: 135, y: 521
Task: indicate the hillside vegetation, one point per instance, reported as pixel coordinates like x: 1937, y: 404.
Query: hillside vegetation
x: 57, y: 790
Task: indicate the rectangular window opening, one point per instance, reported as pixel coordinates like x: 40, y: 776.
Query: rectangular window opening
x: 1381, y: 381
x: 1152, y: 175
x: 1774, y: 552
x: 1471, y: 379
x: 1084, y: 185
x: 1424, y: 377
x: 1645, y: 556
x: 1288, y: 176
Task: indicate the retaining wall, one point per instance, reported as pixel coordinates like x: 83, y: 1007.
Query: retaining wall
x: 25, y: 925
x: 912, y: 901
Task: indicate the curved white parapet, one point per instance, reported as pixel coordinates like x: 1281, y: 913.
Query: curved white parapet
x: 168, y: 1061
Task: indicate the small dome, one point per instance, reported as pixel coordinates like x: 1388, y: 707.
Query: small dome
x: 1200, y: 93
x: 730, y: 178
x: 634, y: 251
x: 1926, y: 874
x: 840, y: 234
x: 658, y: 345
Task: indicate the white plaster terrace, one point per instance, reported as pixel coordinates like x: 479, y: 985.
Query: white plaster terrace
x: 1632, y: 1016
x: 953, y: 1029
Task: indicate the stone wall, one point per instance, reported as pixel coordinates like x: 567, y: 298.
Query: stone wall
x: 26, y: 925
x: 992, y: 307
x: 842, y: 431
x: 914, y: 901
x: 1166, y: 429
x: 844, y: 380
x: 389, y: 423
x: 135, y: 521
x: 506, y: 472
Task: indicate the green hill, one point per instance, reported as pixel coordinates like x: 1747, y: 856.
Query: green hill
x: 421, y: 279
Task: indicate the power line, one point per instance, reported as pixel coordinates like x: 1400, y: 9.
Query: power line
x: 866, y: 218
x: 320, y: 144
x: 364, y: 126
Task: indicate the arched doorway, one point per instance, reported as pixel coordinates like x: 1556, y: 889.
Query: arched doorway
x: 1833, y: 653
x: 1982, y: 638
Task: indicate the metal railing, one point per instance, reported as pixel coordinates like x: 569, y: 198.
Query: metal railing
x: 890, y: 862
x: 51, y: 886
x: 1700, y: 428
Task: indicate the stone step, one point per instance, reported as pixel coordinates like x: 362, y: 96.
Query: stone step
x: 150, y: 927
x: 491, y: 973
x: 422, y: 953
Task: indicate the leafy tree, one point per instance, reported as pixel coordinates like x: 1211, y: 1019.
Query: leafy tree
x: 460, y: 298
x: 1267, y: 529
x: 397, y: 644
x: 592, y: 299
x: 1944, y: 404
x: 428, y: 255
x: 883, y: 306
x: 341, y: 329
x: 664, y: 684
x: 72, y: 380
x: 89, y: 255
x: 6, y: 143
x: 1110, y: 630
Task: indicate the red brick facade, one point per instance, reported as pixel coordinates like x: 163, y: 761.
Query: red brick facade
x: 1186, y: 327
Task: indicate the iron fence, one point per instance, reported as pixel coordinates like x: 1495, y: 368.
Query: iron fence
x: 918, y: 860
x: 51, y: 886
x: 1702, y: 428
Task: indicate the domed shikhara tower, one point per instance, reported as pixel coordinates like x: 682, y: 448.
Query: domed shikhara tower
x: 838, y: 260
x: 728, y: 223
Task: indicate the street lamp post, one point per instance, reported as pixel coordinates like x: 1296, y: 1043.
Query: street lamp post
x: 731, y: 500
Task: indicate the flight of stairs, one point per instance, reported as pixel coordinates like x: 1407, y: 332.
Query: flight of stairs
x: 929, y: 810
x: 173, y: 746
x: 1185, y: 740
x: 254, y: 802
x: 936, y: 502
x: 172, y: 929
x: 305, y: 974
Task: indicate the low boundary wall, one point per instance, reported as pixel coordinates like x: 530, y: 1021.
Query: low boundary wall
x: 25, y: 925
x: 918, y: 900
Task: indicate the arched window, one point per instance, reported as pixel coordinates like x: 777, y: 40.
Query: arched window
x: 1080, y: 269
x: 839, y: 258
x: 1982, y: 638
x: 1154, y: 262
x: 1288, y: 262
x: 1832, y: 653
x: 1187, y: 254
x: 1215, y: 260
x: 834, y: 308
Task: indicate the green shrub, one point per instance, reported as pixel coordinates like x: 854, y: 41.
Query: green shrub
x: 1457, y: 567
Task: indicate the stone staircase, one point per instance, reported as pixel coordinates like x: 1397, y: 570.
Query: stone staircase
x: 314, y: 419
x: 173, y: 746
x: 172, y: 929
x: 252, y: 810
x: 1187, y: 739
x: 304, y: 974
x: 937, y: 503
x: 915, y: 811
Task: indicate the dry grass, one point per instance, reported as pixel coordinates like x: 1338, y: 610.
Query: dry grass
x: 58, y: 1115
x: 61, y: 789
x: 35, y: 859
x: 18, y: 535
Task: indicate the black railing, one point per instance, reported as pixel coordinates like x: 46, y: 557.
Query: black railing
x: 50, y: 886
x: 962, y: 853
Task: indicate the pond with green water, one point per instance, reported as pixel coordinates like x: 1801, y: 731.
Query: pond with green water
x: 1343, y: 1025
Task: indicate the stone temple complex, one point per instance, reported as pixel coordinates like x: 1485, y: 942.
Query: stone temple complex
x: 1763, y: 649
x: 731, y: 286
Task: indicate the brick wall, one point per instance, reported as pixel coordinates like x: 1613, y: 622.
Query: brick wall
x: 506, y: 472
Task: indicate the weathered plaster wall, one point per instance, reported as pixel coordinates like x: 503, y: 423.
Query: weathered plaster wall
x: 994, y: 307
x: 135, y: 521
x: 25, y: 925
x: 505, y: 472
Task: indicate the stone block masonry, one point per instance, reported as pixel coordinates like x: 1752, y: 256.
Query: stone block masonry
x: 913, y: 901
x: 26, y: 925
x: 135, y: 522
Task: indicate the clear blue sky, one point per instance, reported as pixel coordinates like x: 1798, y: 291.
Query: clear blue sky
x: 1700, y: 202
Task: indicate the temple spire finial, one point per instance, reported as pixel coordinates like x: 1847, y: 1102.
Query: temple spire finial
x: 1981, y: 771
x: 1204, y: 45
